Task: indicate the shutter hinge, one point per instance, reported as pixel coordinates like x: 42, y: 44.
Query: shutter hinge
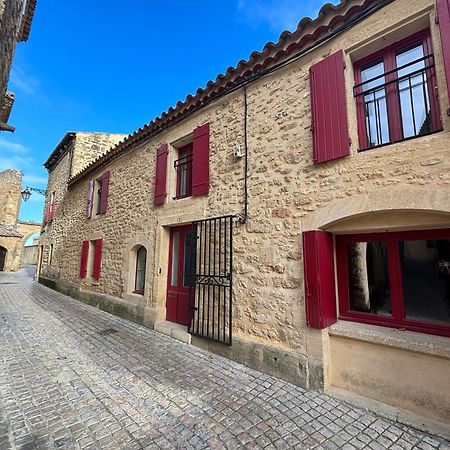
x: 436, y: 17
x: 349, y: 142
x: 345, y: 65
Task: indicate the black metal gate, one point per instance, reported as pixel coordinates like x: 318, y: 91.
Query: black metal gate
x: 211, y: 296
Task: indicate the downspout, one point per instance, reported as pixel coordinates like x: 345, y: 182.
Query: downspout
x: 243, y: 219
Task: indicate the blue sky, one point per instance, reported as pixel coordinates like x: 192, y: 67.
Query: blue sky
x: 95, y: 65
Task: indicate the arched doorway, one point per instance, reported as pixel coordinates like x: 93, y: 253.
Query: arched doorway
x: 3, y: 253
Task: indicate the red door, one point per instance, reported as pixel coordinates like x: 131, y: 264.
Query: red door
x: 180, y: 279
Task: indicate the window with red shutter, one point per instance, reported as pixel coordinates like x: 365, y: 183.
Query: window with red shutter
x: 97, y: 266
x: 161, y: 175
x: 183, y: 167
x: 90, y: 198
x: 395, y: 92
x: 318, y: 260
x: 200, y: 161
x: 443, y: 14
x: 328, y: 109
x: 84, y: 259
x: 103, y: 201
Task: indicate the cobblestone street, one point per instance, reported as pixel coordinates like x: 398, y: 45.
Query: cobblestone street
x: 72, y: 376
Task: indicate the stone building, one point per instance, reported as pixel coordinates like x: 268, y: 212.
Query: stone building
x: 13, y: 232
x: 75, y: 151
x: 293, y: 215
x: 15, y: 25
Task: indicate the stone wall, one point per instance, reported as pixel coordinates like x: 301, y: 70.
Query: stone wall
x: 287, y: 195
x: 88, y: 146
x: 10, y: 21
x: 10, y: 188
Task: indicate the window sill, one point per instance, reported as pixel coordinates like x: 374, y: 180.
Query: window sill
x: 390, y: 337
x: 182, y: 198
x: 90, y: 281
x: 368, y: 149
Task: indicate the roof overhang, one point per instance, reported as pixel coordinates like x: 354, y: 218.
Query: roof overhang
x: 27, y: 19
x: 60, y: 150
x: 6, y: 112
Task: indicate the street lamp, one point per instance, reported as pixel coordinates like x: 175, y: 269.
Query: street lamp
x: 26, y: 193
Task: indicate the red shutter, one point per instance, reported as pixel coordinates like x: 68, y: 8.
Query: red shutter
x: 105, y: 192
x: 161, y: 175
x: 329, y: 109
x: 53, y: 214
x: 97, y: 259
x: 200, y: 161
x: 443, y: 11
x: 320, y: 296
x: 84, y: 259
x: 90, y: 198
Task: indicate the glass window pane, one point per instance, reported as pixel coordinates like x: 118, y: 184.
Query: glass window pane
x: 141, y: 258
x: 425, y: 269
x: 189, y: 259
x: 413, y: 92
x: 183, y: 180
x: 377, y: 128
x: 175, y: 243
x: 369, y: 289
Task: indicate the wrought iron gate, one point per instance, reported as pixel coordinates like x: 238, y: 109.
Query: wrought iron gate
x: 211, y: 295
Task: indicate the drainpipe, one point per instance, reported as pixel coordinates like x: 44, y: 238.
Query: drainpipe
x: 5, y: 127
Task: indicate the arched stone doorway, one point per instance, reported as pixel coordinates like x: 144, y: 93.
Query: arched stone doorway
x: 3, y: 253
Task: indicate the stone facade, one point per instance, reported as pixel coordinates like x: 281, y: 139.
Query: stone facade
x: 398, y: 186
x: 13, y: 232
x: 15, y: 21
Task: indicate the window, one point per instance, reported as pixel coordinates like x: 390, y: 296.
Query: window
x: 50, y: 209
x: 396, y: 93
x: 50, y: 256
x: 98, y: 196
x: 396, y: 279
x: 191, y: 165
x: 91, y: 259
x: 183, y: 167
x: 141, y: 260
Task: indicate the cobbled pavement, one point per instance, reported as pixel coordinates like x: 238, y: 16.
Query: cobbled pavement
x: 66, y: 383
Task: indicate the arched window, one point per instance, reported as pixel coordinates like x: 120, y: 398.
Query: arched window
x: 139, y: 280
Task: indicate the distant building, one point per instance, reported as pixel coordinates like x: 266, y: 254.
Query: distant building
x: 15, y: 25
x: 13, y: 232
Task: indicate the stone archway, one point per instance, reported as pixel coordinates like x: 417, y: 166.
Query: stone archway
x: 383, y: 210
x: 27, y: 229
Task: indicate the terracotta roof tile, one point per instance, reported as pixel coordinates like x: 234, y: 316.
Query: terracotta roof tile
x: 8, y: 231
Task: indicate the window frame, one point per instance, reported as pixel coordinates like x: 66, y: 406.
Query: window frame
x: 394, y: 116
x: 398, y: 319
x: 184, y: 152
x: 135, y: 290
